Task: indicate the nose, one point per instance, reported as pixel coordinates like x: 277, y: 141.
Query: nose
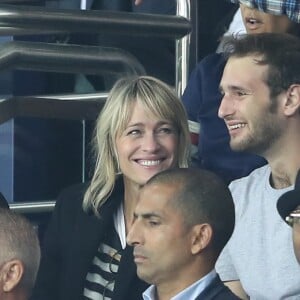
x: 133, y: 237
x: 225, y: 108
x: 150, y: 143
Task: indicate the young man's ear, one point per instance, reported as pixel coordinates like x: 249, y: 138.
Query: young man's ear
x: 292, y: 103
x: 11, y: 274
x: 201, y: 237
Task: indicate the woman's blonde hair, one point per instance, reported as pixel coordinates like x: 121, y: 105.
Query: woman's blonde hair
x: 158, y: 99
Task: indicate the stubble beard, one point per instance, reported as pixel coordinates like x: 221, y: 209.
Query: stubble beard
x: 264, y: 133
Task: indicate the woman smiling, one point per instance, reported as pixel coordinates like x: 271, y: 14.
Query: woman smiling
x: 142, y: 130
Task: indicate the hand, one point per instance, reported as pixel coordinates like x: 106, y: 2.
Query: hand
x: 138, y: 2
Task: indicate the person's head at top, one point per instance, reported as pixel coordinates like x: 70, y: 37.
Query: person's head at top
x: 182, y: 221
x: 141, y: 130
x: 277, y: 16
x: 261, y: 99
x: 19, y: 256
x: 288, y: 206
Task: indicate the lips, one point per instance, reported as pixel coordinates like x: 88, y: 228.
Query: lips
x: 138, y: 256
x: 236, y: 126
x: 149, y: 162
x: 139, y: 259
x: 252, y: 23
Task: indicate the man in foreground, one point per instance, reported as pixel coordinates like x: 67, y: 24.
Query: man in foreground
x: 182, y: 221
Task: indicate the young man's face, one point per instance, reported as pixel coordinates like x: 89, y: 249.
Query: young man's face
x: 252, y: 117
x: 256, y: 21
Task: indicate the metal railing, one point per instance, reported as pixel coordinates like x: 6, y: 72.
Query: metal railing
x: 33, y: 207
x: 182, y: 50
x: 68, y: 58
x: 25, y: 20
x: 78, y: 108
x: 28, y: 20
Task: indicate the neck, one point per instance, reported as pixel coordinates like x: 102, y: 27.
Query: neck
x: 284, y: 161
x: 283, y: 175
x: 130, y: 201
x: 284, y: 170
x: 173, y: 286
x: 16, y: 295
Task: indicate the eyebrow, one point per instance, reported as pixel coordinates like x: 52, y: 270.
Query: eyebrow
x: 147, y: 215
x: 234, y: 88
x: 134, y: 125
x: 163, y: 122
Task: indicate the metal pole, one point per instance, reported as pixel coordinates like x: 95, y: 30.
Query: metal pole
x: 182, y: 49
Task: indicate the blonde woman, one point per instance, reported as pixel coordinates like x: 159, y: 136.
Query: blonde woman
x: 142, y: 130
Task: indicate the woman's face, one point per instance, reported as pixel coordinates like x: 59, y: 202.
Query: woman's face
x: 257, y: 21
x: 148, y: 145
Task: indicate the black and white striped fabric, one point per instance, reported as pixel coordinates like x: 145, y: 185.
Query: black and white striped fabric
x: 100, y: 280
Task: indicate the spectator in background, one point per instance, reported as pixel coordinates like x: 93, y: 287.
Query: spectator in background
x: 141, y: 131
x: 288, y: 206
x: 19, y: 256
x: 260, y: 106
x: 202, y: 97
x: 183, y: 219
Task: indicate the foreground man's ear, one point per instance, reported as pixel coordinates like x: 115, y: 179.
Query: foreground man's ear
x: 11, y: 274
x: 201, y: 237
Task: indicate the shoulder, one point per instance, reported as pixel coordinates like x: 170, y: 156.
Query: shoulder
x: 70, y: 199
x: 203, y: 83
x: 208, y: 72
x: 72, y: 195
x: 248, y: 187
x: 256, y: 177
x: 214, y: 58
x: 223, y: 292
x: 217, y: 291
x: 226, y: 294
x: 69, y: 204
x: 76, y: 189
x: 212, y: 63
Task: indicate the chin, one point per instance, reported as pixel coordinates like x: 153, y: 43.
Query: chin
x: 144, y: 276
x: 237, y: 147
x: 240, y: 145
x: 144, y: 178
x: 153, y: 172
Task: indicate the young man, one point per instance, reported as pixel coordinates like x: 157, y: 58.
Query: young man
x: 260, y: 106
x: 288, y: 206
x: 202, y: 97
x: 19, y: 256
x: 182, y: 221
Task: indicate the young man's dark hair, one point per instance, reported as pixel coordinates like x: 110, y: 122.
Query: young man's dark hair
x: 280, y: 52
